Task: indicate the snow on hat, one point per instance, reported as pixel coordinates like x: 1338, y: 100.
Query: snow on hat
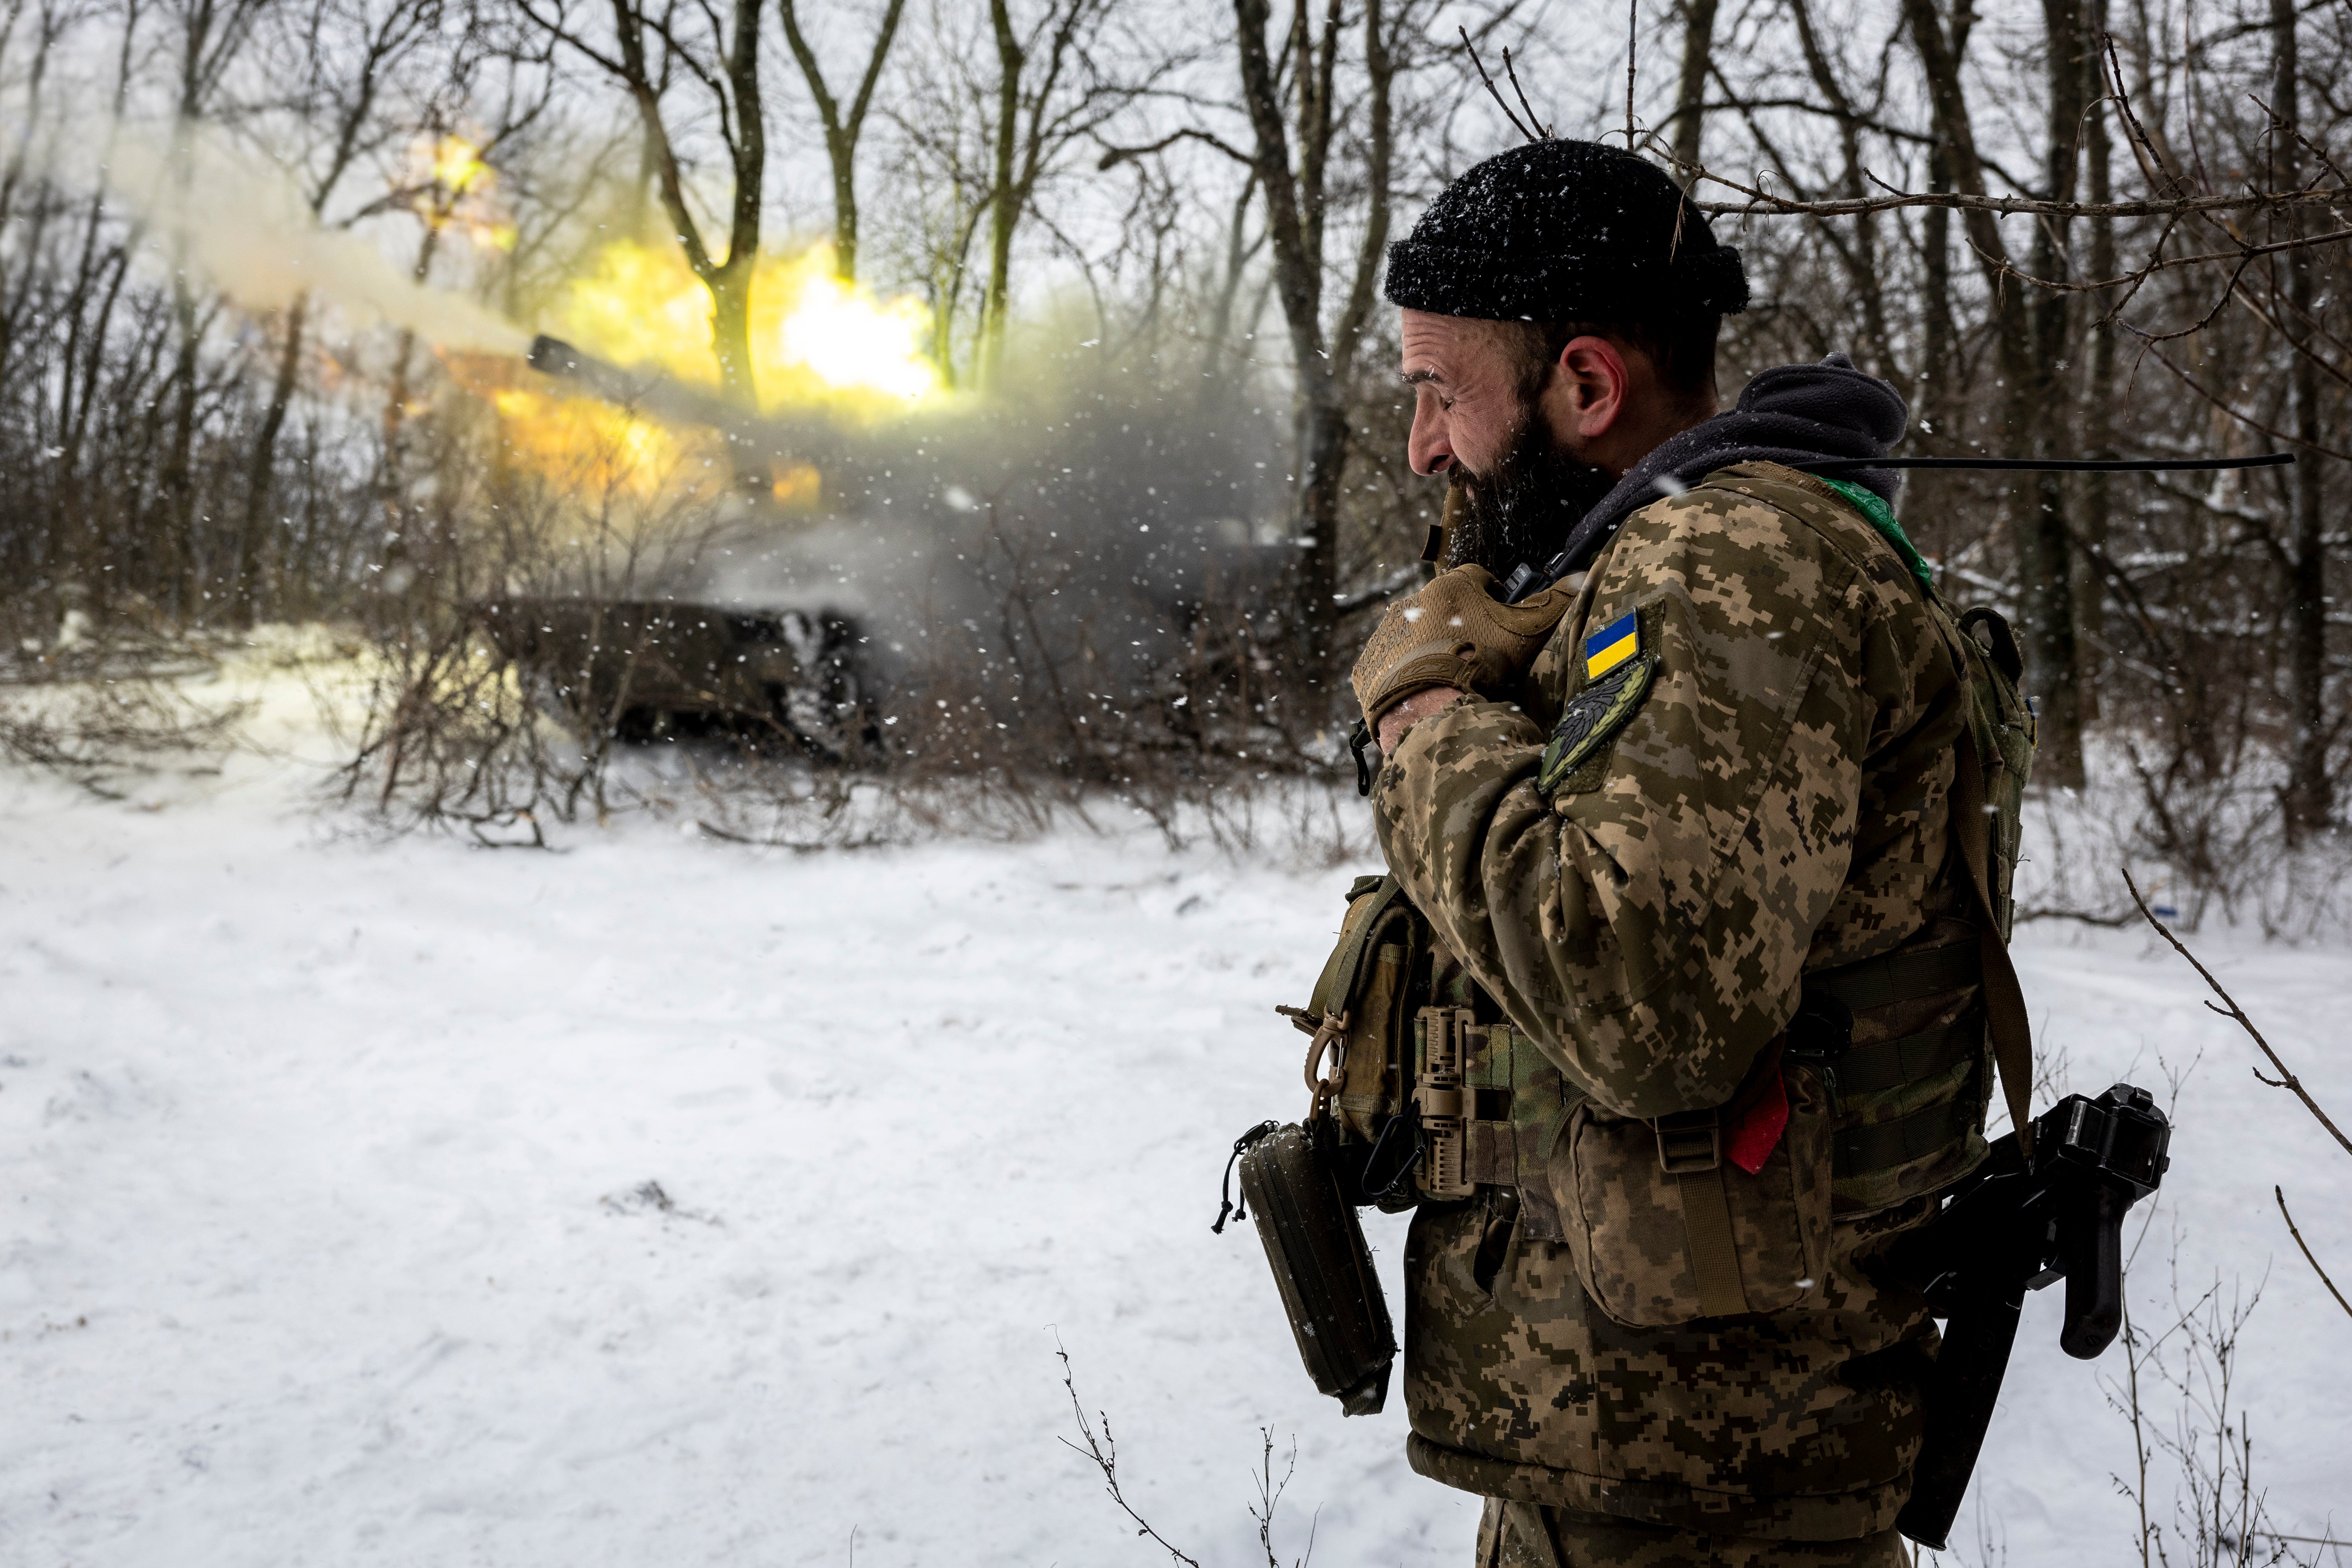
x: 1564, y: 231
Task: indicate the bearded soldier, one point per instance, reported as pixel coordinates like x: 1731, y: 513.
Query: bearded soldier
x: 1710, y: 933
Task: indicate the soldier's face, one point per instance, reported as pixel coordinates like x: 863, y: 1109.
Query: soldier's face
x: 1468, y: 405
x: 1477, y: 421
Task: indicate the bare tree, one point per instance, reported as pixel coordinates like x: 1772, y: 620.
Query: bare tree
x: 1049, y: 93
x: 2030, y: 338
x: 208, y: 37
x: 841, y: 132
x: 2309, y: 796
x: 1295, y: 121
x: 709, y: 57
x: 347, y: 57
x: 1690, y: 91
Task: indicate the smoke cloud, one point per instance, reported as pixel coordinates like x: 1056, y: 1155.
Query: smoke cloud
x: 243, y: 221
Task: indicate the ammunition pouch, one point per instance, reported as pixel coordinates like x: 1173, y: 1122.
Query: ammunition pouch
x: 1359, y: 1015
x: 1292, y: 1182
x: 1665, y: 1226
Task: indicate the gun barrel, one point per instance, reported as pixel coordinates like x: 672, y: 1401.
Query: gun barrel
x: 675, y: 401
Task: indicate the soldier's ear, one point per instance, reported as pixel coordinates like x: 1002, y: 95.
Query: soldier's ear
x: 1587, y: 394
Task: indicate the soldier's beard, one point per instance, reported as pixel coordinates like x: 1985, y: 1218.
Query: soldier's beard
x: 1521, y: 508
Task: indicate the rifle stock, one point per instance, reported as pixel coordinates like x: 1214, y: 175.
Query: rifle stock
x: 2017, y: 1226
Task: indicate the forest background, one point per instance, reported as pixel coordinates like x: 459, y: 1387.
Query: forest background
x: 267, y: 269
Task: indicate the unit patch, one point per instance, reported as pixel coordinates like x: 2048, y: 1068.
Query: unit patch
x: 1592, y: 716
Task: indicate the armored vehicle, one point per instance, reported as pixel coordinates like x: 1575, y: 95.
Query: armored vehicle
x: 650, y: 669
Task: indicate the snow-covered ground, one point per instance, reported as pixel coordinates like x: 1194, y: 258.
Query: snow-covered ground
x: 665, y: 1201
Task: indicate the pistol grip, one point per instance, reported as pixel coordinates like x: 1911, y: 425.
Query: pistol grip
x: 2091, y: 1249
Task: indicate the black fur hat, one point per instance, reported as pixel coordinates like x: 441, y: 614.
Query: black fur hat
x: 1564, y: 231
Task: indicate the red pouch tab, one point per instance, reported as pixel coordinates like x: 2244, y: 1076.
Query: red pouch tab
x: 1756, y: 1131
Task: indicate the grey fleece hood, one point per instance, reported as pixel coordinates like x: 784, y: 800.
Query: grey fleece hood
x: 1790, y: 414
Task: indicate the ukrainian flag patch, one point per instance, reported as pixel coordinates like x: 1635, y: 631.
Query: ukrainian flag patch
x: 1612, y: 646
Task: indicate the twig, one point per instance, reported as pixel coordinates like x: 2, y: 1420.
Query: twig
x: 2279, y: 1193
x: 2111, y: 923
x: 2162, y: 264
x: 798, y: 846
x: 1269, y: 1496
x: 1491, y: 91
x: 2150, y: 346
x: 1633, y: 18
x: 1512, y: 71
x: 2285, y: 1079
x: 1104, y: 1455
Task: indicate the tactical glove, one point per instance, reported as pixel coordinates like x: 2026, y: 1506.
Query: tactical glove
x: 1455, y: 632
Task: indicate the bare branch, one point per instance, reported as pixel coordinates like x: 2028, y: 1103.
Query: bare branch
x: 1118, y: 155
x: 2286, y: 1078
x: 2291, y: 1230
x: 1763, y: 203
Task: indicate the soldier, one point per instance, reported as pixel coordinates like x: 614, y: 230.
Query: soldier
x: 1685, y: 823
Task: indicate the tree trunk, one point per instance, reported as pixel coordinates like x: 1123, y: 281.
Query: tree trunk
x: 252, y: 535
x: 1295, y: 229
x: 2045, y: 549
x: 1322, y: 462
x: 1690, y: 96
x: 2037, y: 514
x: 1003, y: 201
x: 2310, y: 792
x: 175, y: 553
x: 2098, y: 406
x: 731, y: 331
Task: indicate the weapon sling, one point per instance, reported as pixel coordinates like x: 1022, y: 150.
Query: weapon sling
x: 2007, y: 1023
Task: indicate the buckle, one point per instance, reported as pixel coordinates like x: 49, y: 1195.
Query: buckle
x: 1689, y: 1143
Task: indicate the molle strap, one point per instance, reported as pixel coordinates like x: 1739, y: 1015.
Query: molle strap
x: 1511, y: 1108
x: 1900, y: 976
x: 1865, y: 1070
x: 1886, y: 1145
x: 1490, y: 1157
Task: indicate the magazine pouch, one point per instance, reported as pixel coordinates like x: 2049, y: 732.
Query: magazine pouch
x: 1674, y: 1219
